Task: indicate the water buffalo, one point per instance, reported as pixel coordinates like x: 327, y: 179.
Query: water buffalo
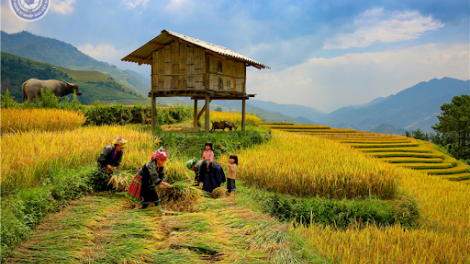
x: 32, y: 88
x: 230, y: 125
x: 218, y: 125
x: 222, y: 125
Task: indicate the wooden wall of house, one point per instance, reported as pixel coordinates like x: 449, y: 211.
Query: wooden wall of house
x: 178, y: 66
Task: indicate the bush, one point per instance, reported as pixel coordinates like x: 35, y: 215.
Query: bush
x: 100, y: 114
x: 338, y: 213
x: 25, y: 208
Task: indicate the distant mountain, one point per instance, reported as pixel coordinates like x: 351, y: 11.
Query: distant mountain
x: 287, y: 109
x: 94, y: 85
x: 388, y: 129
x: 59, y: 53
x: 304, y: 120
x: 141, y: 77
x: 414, y: 107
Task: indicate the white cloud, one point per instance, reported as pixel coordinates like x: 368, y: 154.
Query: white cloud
x: 62, y: 6
x: 10, y: 22
x: 131, y: 4
x: 102, y: 52
x: 330, y: 83
x: 377, y: 26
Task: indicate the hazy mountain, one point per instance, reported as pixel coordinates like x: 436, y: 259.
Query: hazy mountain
x: 304, y: 120
x: 388, y: 129
x: 287, y: 109
x: 410, y: 108
x: 59, y: 53
x: 145, y: 79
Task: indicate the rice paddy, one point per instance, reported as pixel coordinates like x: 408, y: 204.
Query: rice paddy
x: 104, y: 228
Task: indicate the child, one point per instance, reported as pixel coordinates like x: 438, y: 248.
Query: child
x: 232, y: 172
x: 208, y: 153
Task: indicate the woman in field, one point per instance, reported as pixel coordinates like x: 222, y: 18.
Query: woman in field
x: 110, y: 159
x: 195, y: 165
x: 153, y: 174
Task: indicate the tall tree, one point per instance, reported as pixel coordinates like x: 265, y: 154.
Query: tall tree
x: 454, y: 122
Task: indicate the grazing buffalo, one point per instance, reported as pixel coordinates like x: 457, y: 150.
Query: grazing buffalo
x: 222, y: 125
x: 32, y: 88
x: 230, y: 125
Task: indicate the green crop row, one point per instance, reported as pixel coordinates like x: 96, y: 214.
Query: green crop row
x: 404, y: 154
x: 455, y: 177
x: 412, y: 160
x: 460, y: 168
x: 374, y: 142
x: 275, y: 123
x: 410, y: 149
x: 283, y: 127
x: 422, y: 166
x: 400, y: 145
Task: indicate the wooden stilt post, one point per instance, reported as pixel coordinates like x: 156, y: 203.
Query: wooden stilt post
x: 195, y: 113
x: 243, y: 114
x: 154, y: 110
x: 207, y: 106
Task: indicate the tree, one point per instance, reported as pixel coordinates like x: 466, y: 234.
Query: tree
x: 219, y: 109
x: 454, y: 123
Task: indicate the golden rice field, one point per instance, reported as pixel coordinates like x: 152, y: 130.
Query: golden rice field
x: 443, y: 237
x: 24, y: 120
x: 305, y: 165
x: 26, y: 157
x: 236, y: 118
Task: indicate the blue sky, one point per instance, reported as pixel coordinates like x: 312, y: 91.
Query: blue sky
x: 323, y: 54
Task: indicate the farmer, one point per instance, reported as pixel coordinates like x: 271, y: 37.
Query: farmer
x: 213, y: 177
x: 153, y: 174
x: 109, y: 160
x: 195, y: 165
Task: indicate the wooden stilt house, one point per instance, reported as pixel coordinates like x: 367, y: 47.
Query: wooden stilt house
x: 184, y: 66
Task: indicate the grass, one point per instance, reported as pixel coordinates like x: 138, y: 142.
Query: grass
x: 104, y: 228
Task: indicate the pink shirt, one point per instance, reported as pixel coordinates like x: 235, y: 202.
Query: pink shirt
x: 208, y: 155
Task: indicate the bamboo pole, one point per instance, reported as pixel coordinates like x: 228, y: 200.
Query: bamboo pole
x: 195, y: 113
x: 207, y: 106
x: 243, y: 114
x: 154, y: 110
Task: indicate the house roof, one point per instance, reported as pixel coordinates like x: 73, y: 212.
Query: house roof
x: 143, y: 54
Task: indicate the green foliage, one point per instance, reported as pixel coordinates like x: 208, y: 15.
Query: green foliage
x: 8, y: 101
x: 454, y: 124
x: 25, y: 208
x: 188, y: 145
x: 101, y: 114
x: 338, y: 213
x: 47, y: 100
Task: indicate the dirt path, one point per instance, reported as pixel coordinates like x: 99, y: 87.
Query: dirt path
x: 104, y: 228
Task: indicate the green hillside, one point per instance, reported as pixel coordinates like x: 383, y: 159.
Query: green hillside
x: 59, y: 53
x: 94, y: 85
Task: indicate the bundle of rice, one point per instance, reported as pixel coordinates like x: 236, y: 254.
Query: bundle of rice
x: 181, y: 197
x: 219, y: 192
x: 121, y: 180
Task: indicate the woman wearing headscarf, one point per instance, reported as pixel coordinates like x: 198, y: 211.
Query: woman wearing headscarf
x: 210, y: 173
x: 153, y: 174
x: 110, y: 159
x: 195, y: 165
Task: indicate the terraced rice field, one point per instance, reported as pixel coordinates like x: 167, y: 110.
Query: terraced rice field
x: 399, y: 150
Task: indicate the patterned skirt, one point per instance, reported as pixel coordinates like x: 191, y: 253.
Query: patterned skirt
x: 135, y: 188
x: 231, y: 184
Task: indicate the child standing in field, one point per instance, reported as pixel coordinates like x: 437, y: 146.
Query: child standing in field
x: 232, y: 172
x: 208, y: 152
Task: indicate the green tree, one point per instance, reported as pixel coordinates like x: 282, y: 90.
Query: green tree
x: 454, y: 122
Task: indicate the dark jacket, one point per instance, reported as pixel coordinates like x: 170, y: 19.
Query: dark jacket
x: 152, y: 175
x: 214, y: 177
x: 106, y: 157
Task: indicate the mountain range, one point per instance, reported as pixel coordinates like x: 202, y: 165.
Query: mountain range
x: 414, y: 107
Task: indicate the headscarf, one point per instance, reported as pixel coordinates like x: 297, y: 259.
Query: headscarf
x: 160, y: 154
x: 191, y: 162
x: 119, y: 141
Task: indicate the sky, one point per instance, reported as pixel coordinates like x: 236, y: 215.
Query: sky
x: 322, y: 54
